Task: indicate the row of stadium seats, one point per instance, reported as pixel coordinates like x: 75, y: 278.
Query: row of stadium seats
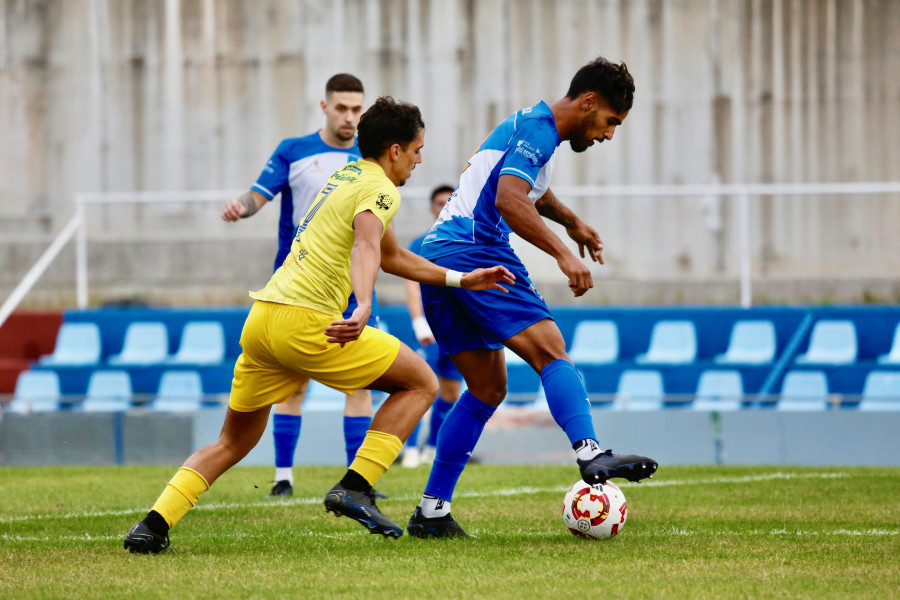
x: 109, y: 390
x: 752, y: 342
x: 723, y: 389
x: 146, y: 343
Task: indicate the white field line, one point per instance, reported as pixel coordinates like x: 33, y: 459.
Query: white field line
x: 668, y: 532
x: 410, y: 497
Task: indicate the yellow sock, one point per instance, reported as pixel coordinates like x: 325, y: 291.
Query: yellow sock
x: 377, y: 452
x: 181, y: 493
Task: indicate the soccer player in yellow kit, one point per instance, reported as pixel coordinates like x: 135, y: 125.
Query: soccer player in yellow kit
x: 295, y: 330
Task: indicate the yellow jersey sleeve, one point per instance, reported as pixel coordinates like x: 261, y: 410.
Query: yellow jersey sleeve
x: 382, y: 200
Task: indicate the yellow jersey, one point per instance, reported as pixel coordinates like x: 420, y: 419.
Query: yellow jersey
x: 316, y: 272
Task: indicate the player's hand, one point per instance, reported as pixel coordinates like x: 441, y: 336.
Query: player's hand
x: 586, y: 237
x: 234, y: 210
x: 580, y: 280
x: 349, y: 330
x: 488, y: 279
x: 423, y: 332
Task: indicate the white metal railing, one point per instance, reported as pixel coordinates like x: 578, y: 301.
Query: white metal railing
x: 742, y: 193
x: 31, y: 277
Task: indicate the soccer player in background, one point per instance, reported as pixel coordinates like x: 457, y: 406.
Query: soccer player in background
x: 295, y: 330
x: 504, y: 188
x: 297, y: 170
x: 449, y: 377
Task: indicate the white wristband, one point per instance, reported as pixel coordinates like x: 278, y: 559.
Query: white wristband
x: 454, y: 278
x: 421, y: 328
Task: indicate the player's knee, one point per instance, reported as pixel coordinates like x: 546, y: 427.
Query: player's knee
x: 491, y: 393
x: 430, y: 384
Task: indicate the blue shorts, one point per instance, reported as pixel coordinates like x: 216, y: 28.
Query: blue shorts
x: 441, y: 365
x: 463, y: 320
x: 374, y: 319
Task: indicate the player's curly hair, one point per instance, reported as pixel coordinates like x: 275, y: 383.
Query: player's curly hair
x: 612, y: 81
x: 385, y: 123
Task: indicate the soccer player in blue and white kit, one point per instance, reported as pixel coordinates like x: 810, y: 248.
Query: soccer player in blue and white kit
x: 504, y: 188
x: 297, y: 170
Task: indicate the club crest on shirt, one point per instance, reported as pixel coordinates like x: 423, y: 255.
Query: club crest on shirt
x: 384, y: 201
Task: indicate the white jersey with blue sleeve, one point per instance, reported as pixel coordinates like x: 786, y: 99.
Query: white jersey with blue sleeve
x: 523, y: 145
x: 298, y: 169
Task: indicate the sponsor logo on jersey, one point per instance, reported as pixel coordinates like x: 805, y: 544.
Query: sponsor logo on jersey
x: 384, y: 201
x: 528, y: 151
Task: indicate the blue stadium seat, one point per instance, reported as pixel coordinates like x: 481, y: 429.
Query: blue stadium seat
x: 639, y: 390
x: 77, y: 344
x: 512, y: 358
x: 179, y: 391
x: 719, y: 390
x: 881, y: 392
x: 108, y: 391
x: 831, y: 342
x: 595, y: 343
x: 803, y: 391
x: 145, y: 344
x: 36, y: 391
x: 202, y: 343
x: 751, y: 343
x: 320, y: 397
x: 892, y: 357
x: 671, y: 342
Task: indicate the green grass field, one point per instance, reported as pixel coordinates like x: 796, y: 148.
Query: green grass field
x: 692, y: 532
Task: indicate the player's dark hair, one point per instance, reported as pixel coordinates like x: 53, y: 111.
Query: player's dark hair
x: 612, y: 81
x: 385, y: 123
x: 344, y: 82
x: 441, y: 189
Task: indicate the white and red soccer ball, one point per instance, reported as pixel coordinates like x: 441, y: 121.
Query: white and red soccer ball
x: 595, y: 511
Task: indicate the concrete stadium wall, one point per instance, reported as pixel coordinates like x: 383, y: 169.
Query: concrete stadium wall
x: 512, y: 436
x: 102, y: 95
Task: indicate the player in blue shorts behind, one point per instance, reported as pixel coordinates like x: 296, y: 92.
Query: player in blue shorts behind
x: 504, y: 188
x: 297, y: 170
x: 449, y: 377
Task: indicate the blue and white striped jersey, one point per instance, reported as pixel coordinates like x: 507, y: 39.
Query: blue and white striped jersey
x: 523, y: 145
x: 298, y: 169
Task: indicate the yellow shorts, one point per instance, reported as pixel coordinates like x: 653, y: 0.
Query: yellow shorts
x: 283, y: 344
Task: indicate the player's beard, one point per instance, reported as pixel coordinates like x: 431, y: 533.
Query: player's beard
x: 341, y: 135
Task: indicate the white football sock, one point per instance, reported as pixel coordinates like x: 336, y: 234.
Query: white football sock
x: 589, y: 449
x: 434, y: 507
x: 284, y: 474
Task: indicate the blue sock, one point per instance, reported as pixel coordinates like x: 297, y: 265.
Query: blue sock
x: 439, y: 411
x: 355, y: 429
x: 286, y: 431
x: 413, y: 440
x: 455, y: 442
x: 568, y: 401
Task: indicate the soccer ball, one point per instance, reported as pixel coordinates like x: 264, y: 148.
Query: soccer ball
x: 595, y: 511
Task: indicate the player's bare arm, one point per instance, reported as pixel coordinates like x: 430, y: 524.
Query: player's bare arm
x: 399, y: 261
x: 365, y: 257
x: 550, y: 207
x: 245, y: 205
x: 522, y: 216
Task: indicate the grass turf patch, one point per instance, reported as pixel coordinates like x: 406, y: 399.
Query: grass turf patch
x: 698, y: 532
